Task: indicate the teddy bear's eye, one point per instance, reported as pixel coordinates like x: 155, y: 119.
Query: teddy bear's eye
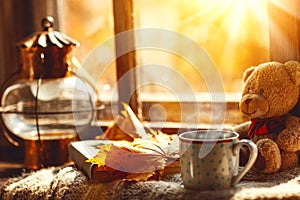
x: 261, y: 91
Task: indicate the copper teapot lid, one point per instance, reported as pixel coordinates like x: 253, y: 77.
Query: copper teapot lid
x: 46, y: 54
x: 47, y: 37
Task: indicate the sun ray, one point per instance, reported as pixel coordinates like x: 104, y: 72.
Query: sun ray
x: 230, y: 24
x: 207, y: 7
x: 233, y: 32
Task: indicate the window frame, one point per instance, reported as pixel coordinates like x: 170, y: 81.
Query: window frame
x: 289, y: 26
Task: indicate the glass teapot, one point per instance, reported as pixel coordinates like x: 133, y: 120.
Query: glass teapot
x: 46, y: 100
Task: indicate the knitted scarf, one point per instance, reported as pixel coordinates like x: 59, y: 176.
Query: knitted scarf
x: 266, y: 126
x: 271, y: 125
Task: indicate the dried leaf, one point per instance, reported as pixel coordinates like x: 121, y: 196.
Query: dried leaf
x: 100, y: 158
x: 126, y: 127
x: 114, y: 132
x: 138, y: 126
x: 125, y: 160
x: 136, y: 150
x: 139, y: 159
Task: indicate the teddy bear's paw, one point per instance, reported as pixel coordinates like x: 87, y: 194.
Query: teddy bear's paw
x: 289, y: 160
x: 269, y: 158
x: 289, y: 141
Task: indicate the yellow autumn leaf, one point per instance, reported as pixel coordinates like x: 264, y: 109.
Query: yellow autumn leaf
x: 136, y: 157
x: 99, y: 159
x: 136, y: 150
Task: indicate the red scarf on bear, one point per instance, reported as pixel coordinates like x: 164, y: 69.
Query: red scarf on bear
x: 266, y: 126
x: 271, y: 125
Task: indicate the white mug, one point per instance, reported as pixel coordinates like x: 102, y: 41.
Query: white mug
x: 209, y: 159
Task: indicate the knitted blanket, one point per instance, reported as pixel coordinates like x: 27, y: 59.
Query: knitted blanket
x: 67, y: 182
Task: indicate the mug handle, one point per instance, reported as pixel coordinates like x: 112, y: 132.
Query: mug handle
x: 252, y: 158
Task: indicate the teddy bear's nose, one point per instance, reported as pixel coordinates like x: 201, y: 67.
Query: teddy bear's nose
x: 247, y: 101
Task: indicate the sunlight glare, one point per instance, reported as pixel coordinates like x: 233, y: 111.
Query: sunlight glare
x: 241, y: 22
x: 231, y: 29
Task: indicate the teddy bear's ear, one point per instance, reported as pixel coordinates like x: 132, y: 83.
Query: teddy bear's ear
x: 293, y: 68
x: 247, y: 73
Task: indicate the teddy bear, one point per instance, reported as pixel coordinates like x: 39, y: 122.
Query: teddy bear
x: 270, y: 97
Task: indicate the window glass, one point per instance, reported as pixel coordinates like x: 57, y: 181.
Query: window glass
x: 91, y: 23
x: 234, y: 33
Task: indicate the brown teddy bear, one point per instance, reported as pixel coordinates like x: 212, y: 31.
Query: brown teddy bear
x: 270, y: 92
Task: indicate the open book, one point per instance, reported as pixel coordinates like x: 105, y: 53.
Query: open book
x: 127, y: 149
